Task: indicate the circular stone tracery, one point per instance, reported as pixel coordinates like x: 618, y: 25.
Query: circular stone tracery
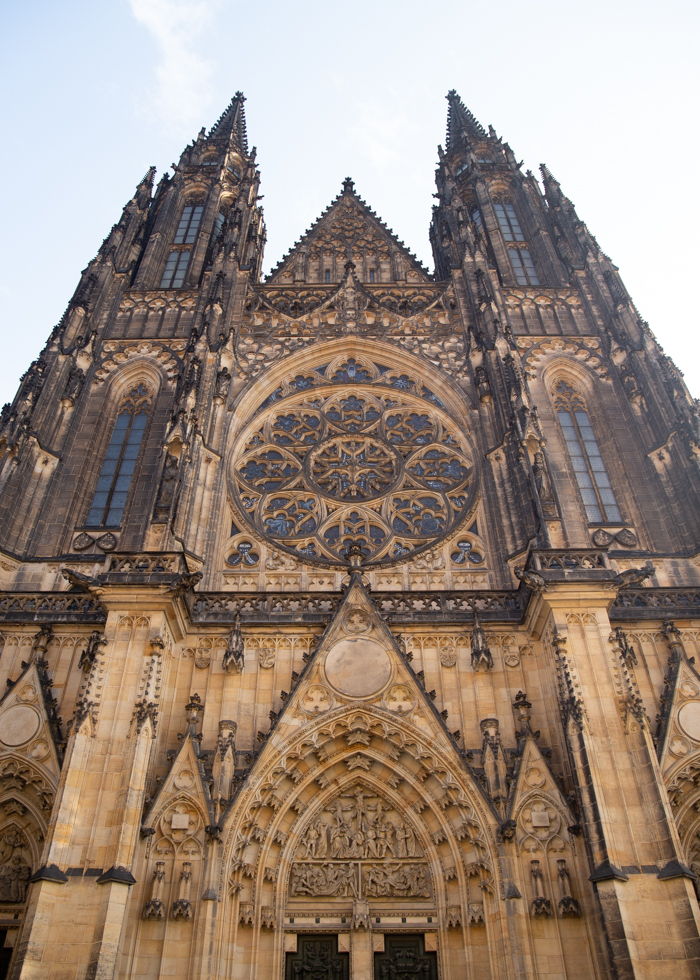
x: 318, y: 472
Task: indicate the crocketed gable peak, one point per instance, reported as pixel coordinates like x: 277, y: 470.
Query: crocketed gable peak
x: 349, y: 231
x: 460, y: 122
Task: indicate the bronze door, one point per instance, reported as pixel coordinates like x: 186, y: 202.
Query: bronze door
x: 317, y: 958
x: 405, y: 958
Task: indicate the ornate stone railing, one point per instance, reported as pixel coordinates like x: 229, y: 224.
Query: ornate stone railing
x: 396, y: 607
x: 588, y: 559
x: 148, y: 563
x: 656, y: 603
x: 49, y: 607
x: 318, y: 607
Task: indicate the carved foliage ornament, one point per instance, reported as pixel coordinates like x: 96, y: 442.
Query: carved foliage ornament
x: 317, y: 474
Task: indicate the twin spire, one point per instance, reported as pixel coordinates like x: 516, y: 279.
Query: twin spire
x: 232, y: 122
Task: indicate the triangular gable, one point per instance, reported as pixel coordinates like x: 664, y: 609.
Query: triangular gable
x: 356, y: 662
x: 536, y: 805
x: 186, y: 781
x: 29, y: 725
x: 679, y: 724
x: 349, y: 231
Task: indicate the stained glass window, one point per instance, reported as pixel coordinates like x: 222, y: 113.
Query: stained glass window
x: 523, y: 267
x: 586, y: 459
x: 175, y: 270
x: 508, y: 220
x: 120, y: 462
x: 189, y: 224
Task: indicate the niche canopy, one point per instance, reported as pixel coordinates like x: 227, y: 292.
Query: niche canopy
x: 353, y: 464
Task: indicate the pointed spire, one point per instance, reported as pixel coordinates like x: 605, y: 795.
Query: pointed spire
x: 460, y: 121
x: 144, y: 188
x: 232, y: 125
x: 552, y: 189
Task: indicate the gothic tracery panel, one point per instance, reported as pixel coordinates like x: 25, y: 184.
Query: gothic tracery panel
x: 318, y: 472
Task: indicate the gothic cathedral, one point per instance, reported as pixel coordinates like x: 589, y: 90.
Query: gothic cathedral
x: 350, y: 615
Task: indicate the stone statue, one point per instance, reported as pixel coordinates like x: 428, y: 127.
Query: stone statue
x: 234, y: 656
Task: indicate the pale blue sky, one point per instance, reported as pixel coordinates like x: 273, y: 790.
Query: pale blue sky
x: 94, y: 93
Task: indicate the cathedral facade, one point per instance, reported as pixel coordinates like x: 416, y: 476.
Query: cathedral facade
x: 349, y: 614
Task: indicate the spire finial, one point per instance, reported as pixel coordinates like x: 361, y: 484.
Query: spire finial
x: 460, y: 121
x: 232, y: 124
x: 348, y: 186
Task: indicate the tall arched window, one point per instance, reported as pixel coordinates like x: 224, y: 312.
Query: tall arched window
x: 120, y: 462
x: 518, y: 251
x: 179, y: 258
x: 586, y: 459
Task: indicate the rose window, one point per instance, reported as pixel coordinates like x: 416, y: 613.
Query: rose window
x: 319, y: 471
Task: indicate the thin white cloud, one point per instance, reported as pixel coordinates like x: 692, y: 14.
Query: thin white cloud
x: 183, y: 74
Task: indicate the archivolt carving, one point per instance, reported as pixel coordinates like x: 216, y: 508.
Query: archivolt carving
x: 329, y: 827
x: 116, y: 353
x: 585, y: 349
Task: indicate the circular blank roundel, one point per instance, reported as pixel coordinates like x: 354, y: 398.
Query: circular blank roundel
x: 18, y: 724
x: 689, y: 718
x: 358, y: 667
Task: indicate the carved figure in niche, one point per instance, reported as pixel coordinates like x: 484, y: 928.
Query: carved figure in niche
x: 542, y: 482
x: 234, y: 657
x: 168, y: 482
x: 74, y: 384
x: 223, y: 383
x: 14, y: 870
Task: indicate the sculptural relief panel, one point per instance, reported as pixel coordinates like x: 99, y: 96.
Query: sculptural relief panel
x: 360, y: 847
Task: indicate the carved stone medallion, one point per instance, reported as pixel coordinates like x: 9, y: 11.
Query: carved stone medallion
x: 317, y: 700
x: 358, y: 668
x: 400, y: 699
x: 356, y: 620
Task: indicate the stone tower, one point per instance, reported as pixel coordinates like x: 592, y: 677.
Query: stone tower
x: 349, y: 615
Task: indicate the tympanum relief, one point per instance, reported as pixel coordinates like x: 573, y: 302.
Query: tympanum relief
x: 360, y: 847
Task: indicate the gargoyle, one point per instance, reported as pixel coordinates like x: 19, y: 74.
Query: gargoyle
x: 184, y: 583
x: 533, y: 581
x: 83, y: 582
x: 634, y: 576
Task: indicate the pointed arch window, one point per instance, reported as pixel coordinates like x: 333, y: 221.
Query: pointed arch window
x: 189, y: 224
x: 586, y: 459
x: 508, y: 220
x: 179, y: 258
x: 120, y: 462
x: 518, y: 251
x: 523, y: 266
x: 175, y: 269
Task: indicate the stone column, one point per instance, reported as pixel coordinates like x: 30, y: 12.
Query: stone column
x: 361, y: 948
